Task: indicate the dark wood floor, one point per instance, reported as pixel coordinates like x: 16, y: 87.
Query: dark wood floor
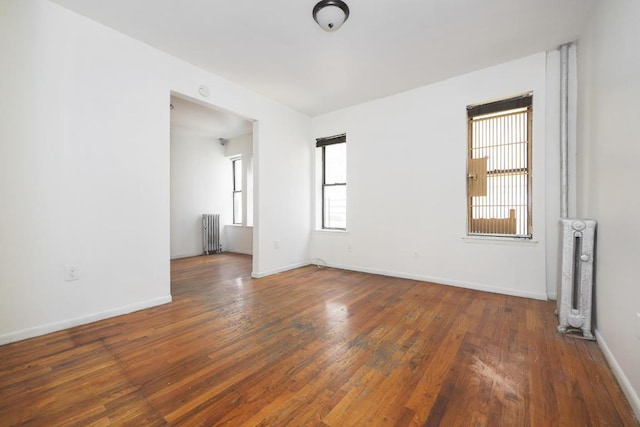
x: 319, y: 347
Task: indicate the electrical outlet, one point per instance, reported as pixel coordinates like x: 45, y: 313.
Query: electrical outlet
x: 276, y: 244
x: 638, y: 325
x: 71, y: 273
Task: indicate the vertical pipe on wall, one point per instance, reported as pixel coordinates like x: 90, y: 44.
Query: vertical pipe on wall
x: 564, y: 130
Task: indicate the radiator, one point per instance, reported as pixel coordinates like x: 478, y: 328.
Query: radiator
x: 576, y: 286
x: 211, y: 233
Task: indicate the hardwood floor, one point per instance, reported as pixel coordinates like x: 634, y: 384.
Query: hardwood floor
x: 319, y: 347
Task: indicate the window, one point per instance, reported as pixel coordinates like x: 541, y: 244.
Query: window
x: 334, y: 181
x: 499, y: 168
x: 247, y: 163
x: 237, y: 190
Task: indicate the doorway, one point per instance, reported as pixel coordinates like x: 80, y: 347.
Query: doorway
x: 206, y: 143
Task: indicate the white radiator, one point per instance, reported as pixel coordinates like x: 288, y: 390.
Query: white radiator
x: 576, y: 287
x: 211, y: 233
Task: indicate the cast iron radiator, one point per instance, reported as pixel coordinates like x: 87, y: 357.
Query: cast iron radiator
x: 576, y: 287
x: 211, y: 233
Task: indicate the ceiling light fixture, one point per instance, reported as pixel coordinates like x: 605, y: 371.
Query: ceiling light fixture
x: 330, y: 14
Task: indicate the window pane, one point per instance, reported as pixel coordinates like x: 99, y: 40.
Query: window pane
x: 335, y: 206
x: 506, y: 198
x: 335, y: 157
x: 249, y: 190
x: 237, y: 175
x: 503, y: 140
x: 237, y: 208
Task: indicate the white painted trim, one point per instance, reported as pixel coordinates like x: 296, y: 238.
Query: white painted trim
x: 331, y: 231
x: 625, y: 384
x: 180, y: 256
x: 445, y: 281
x: 260, y: 275
x: 70, y: 323
x: 510, y: 241
x: 402, y: 275
x: 238, y: 252
x: 203, y: 254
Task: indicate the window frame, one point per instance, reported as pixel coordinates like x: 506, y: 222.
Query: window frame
x: 236, y: 191
x: 497, y: 109
x: 322, y: 143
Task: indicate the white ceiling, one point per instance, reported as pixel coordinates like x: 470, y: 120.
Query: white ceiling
x: 275, y: 48
x: 206, y: 120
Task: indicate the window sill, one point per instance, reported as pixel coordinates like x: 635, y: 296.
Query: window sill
x: 510, y: 241
x: 331, y: 231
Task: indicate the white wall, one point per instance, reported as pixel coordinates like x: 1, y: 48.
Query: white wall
x: 85, y: 169
x: 608, y: 174
x: 281, y: 214
x: 200, y: 183
x: 406, y: 206
x: 85, y: 177
x: 239, y: 239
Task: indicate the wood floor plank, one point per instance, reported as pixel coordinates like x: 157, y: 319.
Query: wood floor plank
x: 312, y: 346
x: 604, y: 385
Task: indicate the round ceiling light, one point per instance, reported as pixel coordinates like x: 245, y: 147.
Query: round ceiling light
x: 330, y: 14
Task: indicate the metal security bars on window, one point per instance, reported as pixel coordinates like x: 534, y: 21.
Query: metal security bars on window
x: 499, y: 168
x: 334, y: 181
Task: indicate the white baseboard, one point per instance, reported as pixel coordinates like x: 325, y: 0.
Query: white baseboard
x: 625, y: 385
x: 403, y: 275
x: 70, y: 323
x: 234, y: 251
x: 445, y: 281
x: 189, y: 255
x: 258, y: 275
x: 202, y: 254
